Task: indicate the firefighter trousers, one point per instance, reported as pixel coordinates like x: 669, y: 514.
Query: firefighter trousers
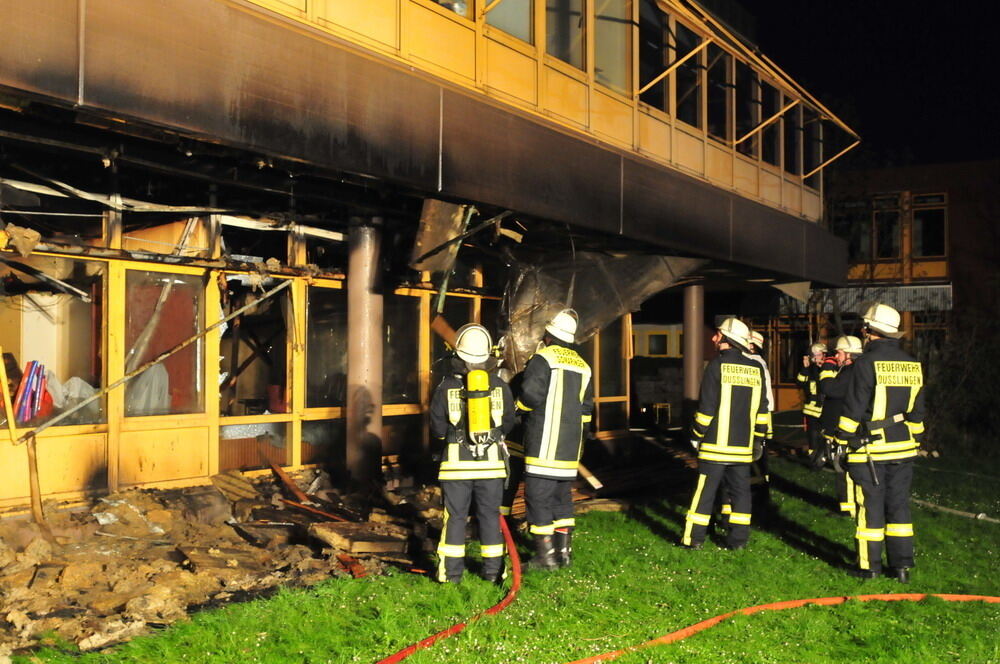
x: 549, y: 503
x: 814, y: 434
x: 883, y: 514
x: 512, y: 482
x: 458, y: 496
x: 737, y: 483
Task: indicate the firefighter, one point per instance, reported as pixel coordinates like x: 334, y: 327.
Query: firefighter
x: 883, y: 424
x: 834, y: 377
x: 557, y: 397
x: 471, y: 412
x: 731, y: 422
x: 812, y: 408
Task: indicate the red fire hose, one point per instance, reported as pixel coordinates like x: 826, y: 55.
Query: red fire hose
x: 778, y: 606
x: 515, y: 564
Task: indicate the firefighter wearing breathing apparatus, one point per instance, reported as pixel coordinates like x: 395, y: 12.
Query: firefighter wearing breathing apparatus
x: 834, y: 379
x: 883, y: 424
x: 732, y: 420
x: 471, y: 412
x: 557, y: 397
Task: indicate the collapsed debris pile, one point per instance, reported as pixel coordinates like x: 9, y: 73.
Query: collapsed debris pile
x: 144, y: 558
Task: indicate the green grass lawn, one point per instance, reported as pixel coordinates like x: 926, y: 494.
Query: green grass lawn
x: 630, y: 583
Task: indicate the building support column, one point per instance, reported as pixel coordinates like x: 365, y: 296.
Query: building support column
x: 364, y: 351
x: 694, y: 345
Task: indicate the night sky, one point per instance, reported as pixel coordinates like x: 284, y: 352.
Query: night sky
x: 920, y: 87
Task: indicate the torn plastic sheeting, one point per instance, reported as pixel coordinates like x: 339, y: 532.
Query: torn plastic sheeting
x: 599, y: 287
x: 439, y: 223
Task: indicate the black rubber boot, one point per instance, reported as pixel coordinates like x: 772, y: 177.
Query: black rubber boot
x: 901, y: 574
x: 864, y: 573
x: 563, y: 540
x: 494, y: 573
x: 545, y: 555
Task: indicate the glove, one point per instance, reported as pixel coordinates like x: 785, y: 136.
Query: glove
x: 758, y: 447
x: 695, y: 443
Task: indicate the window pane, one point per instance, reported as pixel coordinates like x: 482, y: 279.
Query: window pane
x: 852, y: 221
x: 611, y: 44
x: 718, y: 92
x: 770, y: 137
x: 747, y: 107
x: 162, y: 310
x: 688, y: 93
x: 652, y: 53
x: 612, y: 361
x: 792, y: 122
x: 657, y: 344
x: 612, y: 416
x: 812, y: 148
x: 250, y: 446
x: 401, y: 350
x: 253, y: 365
x: 326, y: 347
x: 564, y: 30
x: 51, y: 339
x: 514, y: 18
x: 460, y: 7
x: 928, y: 233
x: 887, y: 231
x: 325, y: 442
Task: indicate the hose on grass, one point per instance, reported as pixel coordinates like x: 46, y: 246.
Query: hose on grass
x: 515, y: 586
x: 684, y: 633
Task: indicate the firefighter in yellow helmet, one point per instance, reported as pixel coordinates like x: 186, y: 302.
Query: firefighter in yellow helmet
x: 732, y: 418
x: 557, y: 397
x: 883, y: 424
x: 833, y: 382
x: 812, y: 406
x: 471, y: 412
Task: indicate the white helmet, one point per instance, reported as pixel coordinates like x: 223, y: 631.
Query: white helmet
x: 563, y: 326
x: 849, y: 344
x: 473, y: 343
x: 736, y: 331
x: 817, y: 348
x: 756, y: 338
x: 882, y: 318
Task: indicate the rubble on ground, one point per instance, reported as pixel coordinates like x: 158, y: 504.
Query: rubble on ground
x: 104, y: 573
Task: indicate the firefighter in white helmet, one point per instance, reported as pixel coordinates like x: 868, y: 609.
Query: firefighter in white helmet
x: 883, y: 424
x: 732, y: 418
x: 557, y: 397
x: 812, y: 404
x: 834, y: 378
x: 470, y: 413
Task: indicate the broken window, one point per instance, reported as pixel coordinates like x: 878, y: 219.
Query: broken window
x: 253, y: 362
x: 51, y: 317
x: 161, y: 311
x: 719, y: 64
x: 514, y: 18
x: 328, y: 256
x: 326, y: 347
x: 254, y: 246
x: 612, y: 45
x: 564, y: 31
x: 747, y: 107
x: 653, y: 54
x: 612, y: 359
x: 928, y: 232
x: 401, y: 350
x: 249, y: 446
x: 792, y: 121
x: 325, y: 442
x: 770, y: 136
x: 687, y: 97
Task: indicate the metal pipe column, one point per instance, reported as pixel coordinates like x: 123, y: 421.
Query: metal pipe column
x: 694, y: 340
x: 364, y: 350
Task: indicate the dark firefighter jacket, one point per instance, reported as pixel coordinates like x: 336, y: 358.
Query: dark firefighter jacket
x: 833, y: 382
x: 885, y: 400
x: 808, y: 380
x: 732, y: 409
x: 558, y: 396
x: 449, y: 427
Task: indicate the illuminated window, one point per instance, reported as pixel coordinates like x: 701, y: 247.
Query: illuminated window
x: 719, y: 63
x: 747, y: 107
x: 928, y: 232
x: 687, y: 99
x: 652, y: 53
x: 612, y: 45
x: 514, y: 18
x: 564, y: 30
